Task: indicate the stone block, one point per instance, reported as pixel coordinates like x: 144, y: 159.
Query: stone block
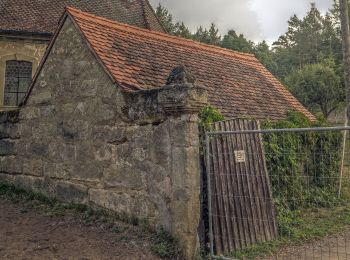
x: 70, y: 192
x: 4, y: 131
x: 40, y: 149
x: 33, y: 167
x: 47, y: 111
x: 159, y: 148
x: 11, y: 164
x: 184, y: 131
x: 42, y: 97
x: 104, y: 113
x: 13, y: 131
x: 7, y: 147
x: 103, y: 152
x: 74, y: 129
x: 57, y: 170
x: 64, y: 191
x: 124, y: 175
x: 29, y: 113
x: 88, y: 88
x: 110, y: 134
x: 9, y: 116
x: 135, y: 204
x: 117, y: 201
x: 90, y: 171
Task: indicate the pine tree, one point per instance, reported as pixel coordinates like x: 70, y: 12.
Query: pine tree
x: 166, y: 19
x: 214, y: 37
x: 181, y: 30
x: 237, y: 43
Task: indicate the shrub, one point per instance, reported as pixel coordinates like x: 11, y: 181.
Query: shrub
x: 303, y: 166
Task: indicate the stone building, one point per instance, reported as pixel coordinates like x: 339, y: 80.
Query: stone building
x: 103, y: 122
x: 26, y: 28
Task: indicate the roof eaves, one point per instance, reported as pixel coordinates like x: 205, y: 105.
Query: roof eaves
x: 25, y: 33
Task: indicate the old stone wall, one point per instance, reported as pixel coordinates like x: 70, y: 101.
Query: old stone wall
x: 80, y: 138
x: 19, y: 49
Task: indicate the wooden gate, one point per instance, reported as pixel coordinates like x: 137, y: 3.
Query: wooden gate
x: 240, y: 198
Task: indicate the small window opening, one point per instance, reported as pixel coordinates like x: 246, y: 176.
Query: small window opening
x: 18, y: 76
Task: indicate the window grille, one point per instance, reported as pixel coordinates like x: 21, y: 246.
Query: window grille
x: 18, y: 76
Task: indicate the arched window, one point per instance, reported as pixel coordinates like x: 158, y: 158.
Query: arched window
x: 18, y: 76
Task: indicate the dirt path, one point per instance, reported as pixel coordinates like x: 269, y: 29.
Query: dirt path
x: 28, y: 234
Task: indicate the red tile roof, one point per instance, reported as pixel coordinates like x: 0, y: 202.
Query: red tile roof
x: 42, y: 16
x: 238, y: 84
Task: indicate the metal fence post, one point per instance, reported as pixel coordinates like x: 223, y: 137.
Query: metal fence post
x: 211, y: 239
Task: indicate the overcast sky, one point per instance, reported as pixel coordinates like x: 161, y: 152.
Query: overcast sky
x: 257, y: 19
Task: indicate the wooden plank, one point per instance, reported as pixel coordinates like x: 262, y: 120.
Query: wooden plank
x: 254, y: 184
x: 268, y: 187
x: 237, y: 231
x: 267, y: 200
x: 220, y: 228
x: 223, y: 215
x: 244, y: 194
x: 243, y: 210
x: 247, y: 174
x: 260, y: 186
x: 225, y: 178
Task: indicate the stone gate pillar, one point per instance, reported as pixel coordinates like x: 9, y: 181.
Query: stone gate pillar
x: 182, y: 100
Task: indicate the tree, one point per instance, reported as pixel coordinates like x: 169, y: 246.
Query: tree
x: 214, y: 36
x: 318, y: 87
x: 264, y: 54
x: 344, y: 17
x: 165, y: 18
x: 182, y: 31
x: 210, y: 36
x: 236, y: 42
x: 309, y: 40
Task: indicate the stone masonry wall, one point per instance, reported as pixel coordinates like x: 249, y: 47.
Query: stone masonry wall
x: 79, y: 138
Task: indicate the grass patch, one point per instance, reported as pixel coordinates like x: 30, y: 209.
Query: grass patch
x: 299, y: 227
x: 162, y: 243
x: 166, y: 246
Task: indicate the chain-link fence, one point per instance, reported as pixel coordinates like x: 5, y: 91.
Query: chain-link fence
x: 279, y: 194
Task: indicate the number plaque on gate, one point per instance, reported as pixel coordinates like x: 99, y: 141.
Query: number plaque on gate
x: 240, y: 156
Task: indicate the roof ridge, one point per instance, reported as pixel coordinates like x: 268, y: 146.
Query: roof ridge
x: 186, y: 42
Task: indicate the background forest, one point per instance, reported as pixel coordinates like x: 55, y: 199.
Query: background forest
x: 307, y: 58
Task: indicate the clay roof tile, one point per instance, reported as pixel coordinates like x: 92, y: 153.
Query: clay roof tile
x: 238, y: 84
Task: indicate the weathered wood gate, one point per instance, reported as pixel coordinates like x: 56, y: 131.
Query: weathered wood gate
x: 240, y: 197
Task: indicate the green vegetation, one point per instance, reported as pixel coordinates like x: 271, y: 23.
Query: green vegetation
x: 304, y: 171
x: 163, y: 244
x: 318, y: 86
x: 166, y: 246
x: 303, y: 167
x: 208, y: 116
x: 302, y: 227
x: 307, y: 58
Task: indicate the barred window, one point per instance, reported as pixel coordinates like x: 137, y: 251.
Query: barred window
x: 18, y: 76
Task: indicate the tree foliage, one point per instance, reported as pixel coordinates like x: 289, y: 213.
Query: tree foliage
x: 307, y: 58
x: 318, y: 87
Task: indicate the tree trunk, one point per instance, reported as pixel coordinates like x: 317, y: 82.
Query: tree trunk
x: 344, y: 17
x: 345, y: 31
